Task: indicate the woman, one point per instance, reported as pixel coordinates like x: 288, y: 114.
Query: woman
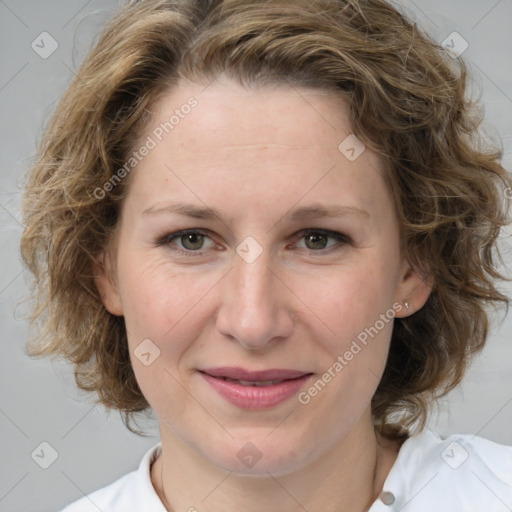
x: 271, y: 223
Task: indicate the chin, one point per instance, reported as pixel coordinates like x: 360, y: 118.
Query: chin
x: 253, y: 454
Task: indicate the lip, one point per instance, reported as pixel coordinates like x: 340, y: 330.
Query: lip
x: 255, y: 397
x: 243, y: 374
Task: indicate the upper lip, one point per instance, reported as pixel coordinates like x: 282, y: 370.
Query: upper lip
x: 256, y: 376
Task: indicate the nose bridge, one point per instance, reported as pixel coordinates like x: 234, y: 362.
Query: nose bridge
x: 253, y: 280
x: 253, y: 308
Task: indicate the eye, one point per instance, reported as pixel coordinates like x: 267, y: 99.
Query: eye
x: 187, y: 241
x: 318, y: 239
x: 191, y: 242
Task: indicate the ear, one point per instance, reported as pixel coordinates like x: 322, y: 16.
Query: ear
x: 105, y: 281
x: 413, y: 289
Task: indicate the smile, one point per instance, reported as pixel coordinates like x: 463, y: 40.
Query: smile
x: 255, y: 390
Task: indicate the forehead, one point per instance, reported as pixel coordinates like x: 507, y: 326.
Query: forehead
x: 260, y: 115
x: 259, y: 144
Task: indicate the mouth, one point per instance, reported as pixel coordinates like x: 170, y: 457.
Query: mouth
x: 253, y: 382
x: 255, y: 389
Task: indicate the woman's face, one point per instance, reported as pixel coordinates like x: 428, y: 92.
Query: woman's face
x: 291, y: 267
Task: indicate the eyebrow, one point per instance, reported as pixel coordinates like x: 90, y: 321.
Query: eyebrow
x: 302, y: 213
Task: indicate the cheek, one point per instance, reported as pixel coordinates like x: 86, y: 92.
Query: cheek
x: 350, y: 300
x: 358, y: 310
x: 160, y: 301
x: 160, y: 304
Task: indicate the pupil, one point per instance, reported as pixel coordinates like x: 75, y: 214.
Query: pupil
x: 192, y: 241
x: 317, y: 240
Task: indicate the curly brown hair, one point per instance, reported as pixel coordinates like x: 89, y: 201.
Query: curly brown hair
x: 408, y: 102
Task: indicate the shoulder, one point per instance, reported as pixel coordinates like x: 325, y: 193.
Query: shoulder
x: 131, y: 493
x: 457, y: 473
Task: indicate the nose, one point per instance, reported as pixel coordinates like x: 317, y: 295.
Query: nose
x: 255, y: 306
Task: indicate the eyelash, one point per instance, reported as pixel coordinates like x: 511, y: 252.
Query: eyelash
x: 167, y: 239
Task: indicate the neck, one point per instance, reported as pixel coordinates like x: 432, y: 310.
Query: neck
x: 348, y: 477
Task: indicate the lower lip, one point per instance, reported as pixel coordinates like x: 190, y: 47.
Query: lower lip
x: 256, y: 397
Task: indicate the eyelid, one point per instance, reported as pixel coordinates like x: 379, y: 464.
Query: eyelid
x: 341, y: 237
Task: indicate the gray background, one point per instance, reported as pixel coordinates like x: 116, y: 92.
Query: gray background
x: 38, y: 398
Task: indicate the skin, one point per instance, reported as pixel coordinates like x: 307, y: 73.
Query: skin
x: 255, y: 156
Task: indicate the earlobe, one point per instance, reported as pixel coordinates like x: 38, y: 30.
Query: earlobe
x: 413, y: 292
x: 105, y: 283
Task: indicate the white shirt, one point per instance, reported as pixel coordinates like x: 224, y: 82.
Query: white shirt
x: 461, y: 473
